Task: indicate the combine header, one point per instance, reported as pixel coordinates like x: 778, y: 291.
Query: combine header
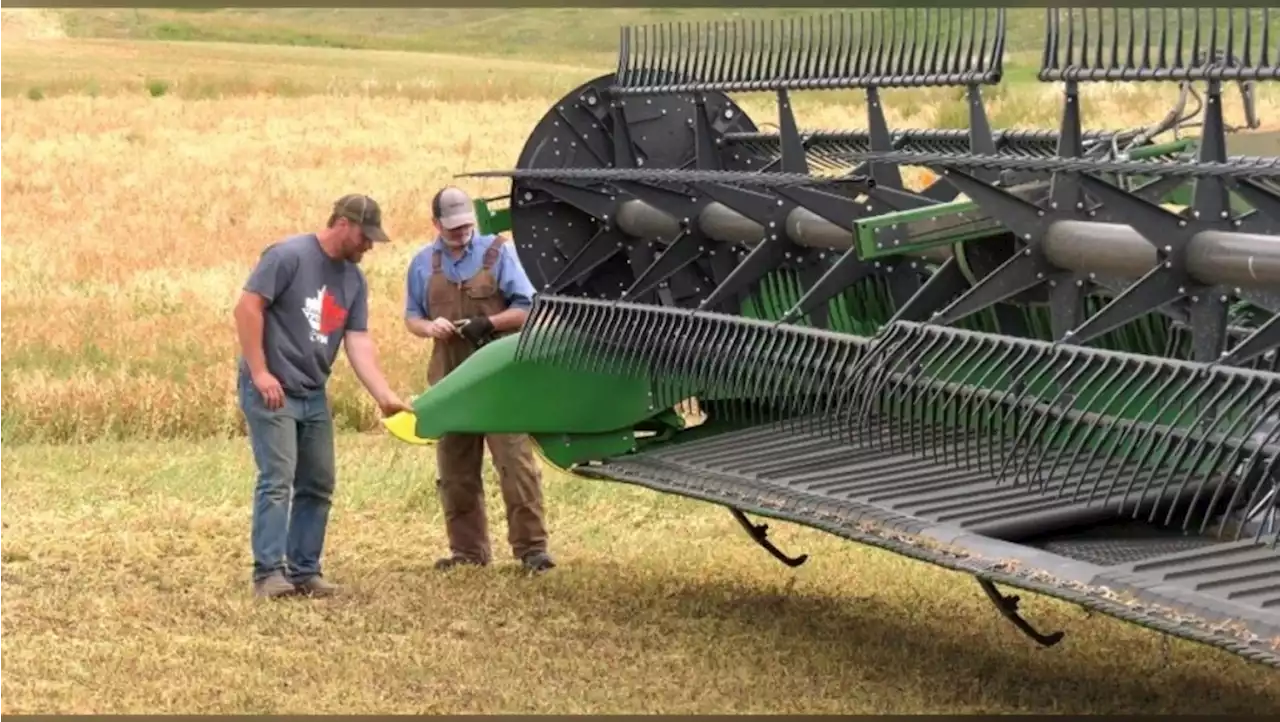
x: 1053, y: 368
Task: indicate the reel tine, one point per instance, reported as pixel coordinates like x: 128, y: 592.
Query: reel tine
x: 1107, y: 430
x: 664, y: 342
x: 1198, y: 411
x: 1124, y: 372
x: 809, y: 354
x: 708, y: 367
x: 1019, y: 410
x: 681, y: 365
x: 1129, y: 432
x: 980, y: 454
x: 840, y: 356
x: 690, y: 61
x: 1149, y: 438
x: 900, y: 393
x: 850, y: 416
x: 1055, y: 417
x: 593, y: 318
x: 831, y: 51
x: 978, y: 412
x: 967, y: 66
x: 789, y: 386
x: 528, y: 332
x: 931, y: 435
x: 771, y: 374
x: 1261, y: 440
x: 533, y: 336
x: 546, y: 315
x: 897, y: 388
x: 735, y: 351
x: 766, y: 365
x: 932, y: 411
x: 1199, y: 451
x: 955, y: 39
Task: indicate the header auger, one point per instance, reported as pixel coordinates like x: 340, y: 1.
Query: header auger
x: 1054, y: 367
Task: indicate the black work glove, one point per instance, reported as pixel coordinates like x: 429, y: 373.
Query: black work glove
x: 477, y: 329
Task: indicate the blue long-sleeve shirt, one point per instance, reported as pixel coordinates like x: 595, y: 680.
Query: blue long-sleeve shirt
x: 513, y: 282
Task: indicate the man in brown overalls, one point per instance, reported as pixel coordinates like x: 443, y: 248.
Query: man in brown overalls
x: 463, y: 290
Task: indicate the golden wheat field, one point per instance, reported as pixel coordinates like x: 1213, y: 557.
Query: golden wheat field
x: 139, y: 185
x: 150, y: 211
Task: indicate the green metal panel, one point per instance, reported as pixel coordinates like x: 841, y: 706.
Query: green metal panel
x: 566, y: 450
x: 490, y: 221
x: 944, y: 224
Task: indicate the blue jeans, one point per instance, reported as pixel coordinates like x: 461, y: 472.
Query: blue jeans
x: 293, y: 449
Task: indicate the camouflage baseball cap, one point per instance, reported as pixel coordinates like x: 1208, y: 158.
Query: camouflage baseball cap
x: 364, y: 210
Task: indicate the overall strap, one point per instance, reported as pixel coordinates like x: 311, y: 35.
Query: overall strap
x: 435, y: 261
x: 491, y: 253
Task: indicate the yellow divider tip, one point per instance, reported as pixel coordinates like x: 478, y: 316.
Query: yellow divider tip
x: 402, y: 426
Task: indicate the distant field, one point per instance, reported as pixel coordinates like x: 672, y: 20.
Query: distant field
x: 195, y: 71
x: 161, y: 169
x: 516, y: 32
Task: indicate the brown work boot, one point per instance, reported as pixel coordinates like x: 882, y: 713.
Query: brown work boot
x: 273, y: 586
x: 317, y: 586
x: 537, y: 562
x: 455, y: 561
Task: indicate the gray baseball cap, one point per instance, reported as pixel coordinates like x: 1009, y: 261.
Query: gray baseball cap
x: 453, y: 207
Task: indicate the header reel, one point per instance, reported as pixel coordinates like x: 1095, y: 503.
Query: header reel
x: 1053, y: 366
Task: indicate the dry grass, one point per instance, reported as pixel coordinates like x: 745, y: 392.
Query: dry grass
x: 130, y: 222
x: 134, y: 219
x: 533, y: 32
x: 125, y: 588
x: 195, y: 71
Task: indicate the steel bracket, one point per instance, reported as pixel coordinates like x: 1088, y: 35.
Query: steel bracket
x: 1168, y: 281
x: 774, y: 248
x: 760, y: 535
x: 1008, y: 607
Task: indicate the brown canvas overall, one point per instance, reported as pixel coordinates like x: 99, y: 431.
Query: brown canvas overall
x: 459, y: 457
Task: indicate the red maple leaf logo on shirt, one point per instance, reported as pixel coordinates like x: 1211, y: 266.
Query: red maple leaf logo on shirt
x: 332, y: 316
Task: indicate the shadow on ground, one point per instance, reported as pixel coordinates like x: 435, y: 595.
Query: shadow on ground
x: 983, y: 666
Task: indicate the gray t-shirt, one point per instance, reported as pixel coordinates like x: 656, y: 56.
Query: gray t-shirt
x: 312, y: 301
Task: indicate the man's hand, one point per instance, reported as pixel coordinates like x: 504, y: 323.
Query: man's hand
x: 427, y: 328
x: 269, y: 387
x: 439, y: 329
x: 392, y: 405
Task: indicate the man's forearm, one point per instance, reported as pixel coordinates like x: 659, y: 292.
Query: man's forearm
x: 417, y: 326
x: 363, y: 356
x: 509, y: 320
x: 372, y: 380
x: 249, y: 325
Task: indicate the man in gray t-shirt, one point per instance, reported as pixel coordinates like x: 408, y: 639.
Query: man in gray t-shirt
x: 304, y: 300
